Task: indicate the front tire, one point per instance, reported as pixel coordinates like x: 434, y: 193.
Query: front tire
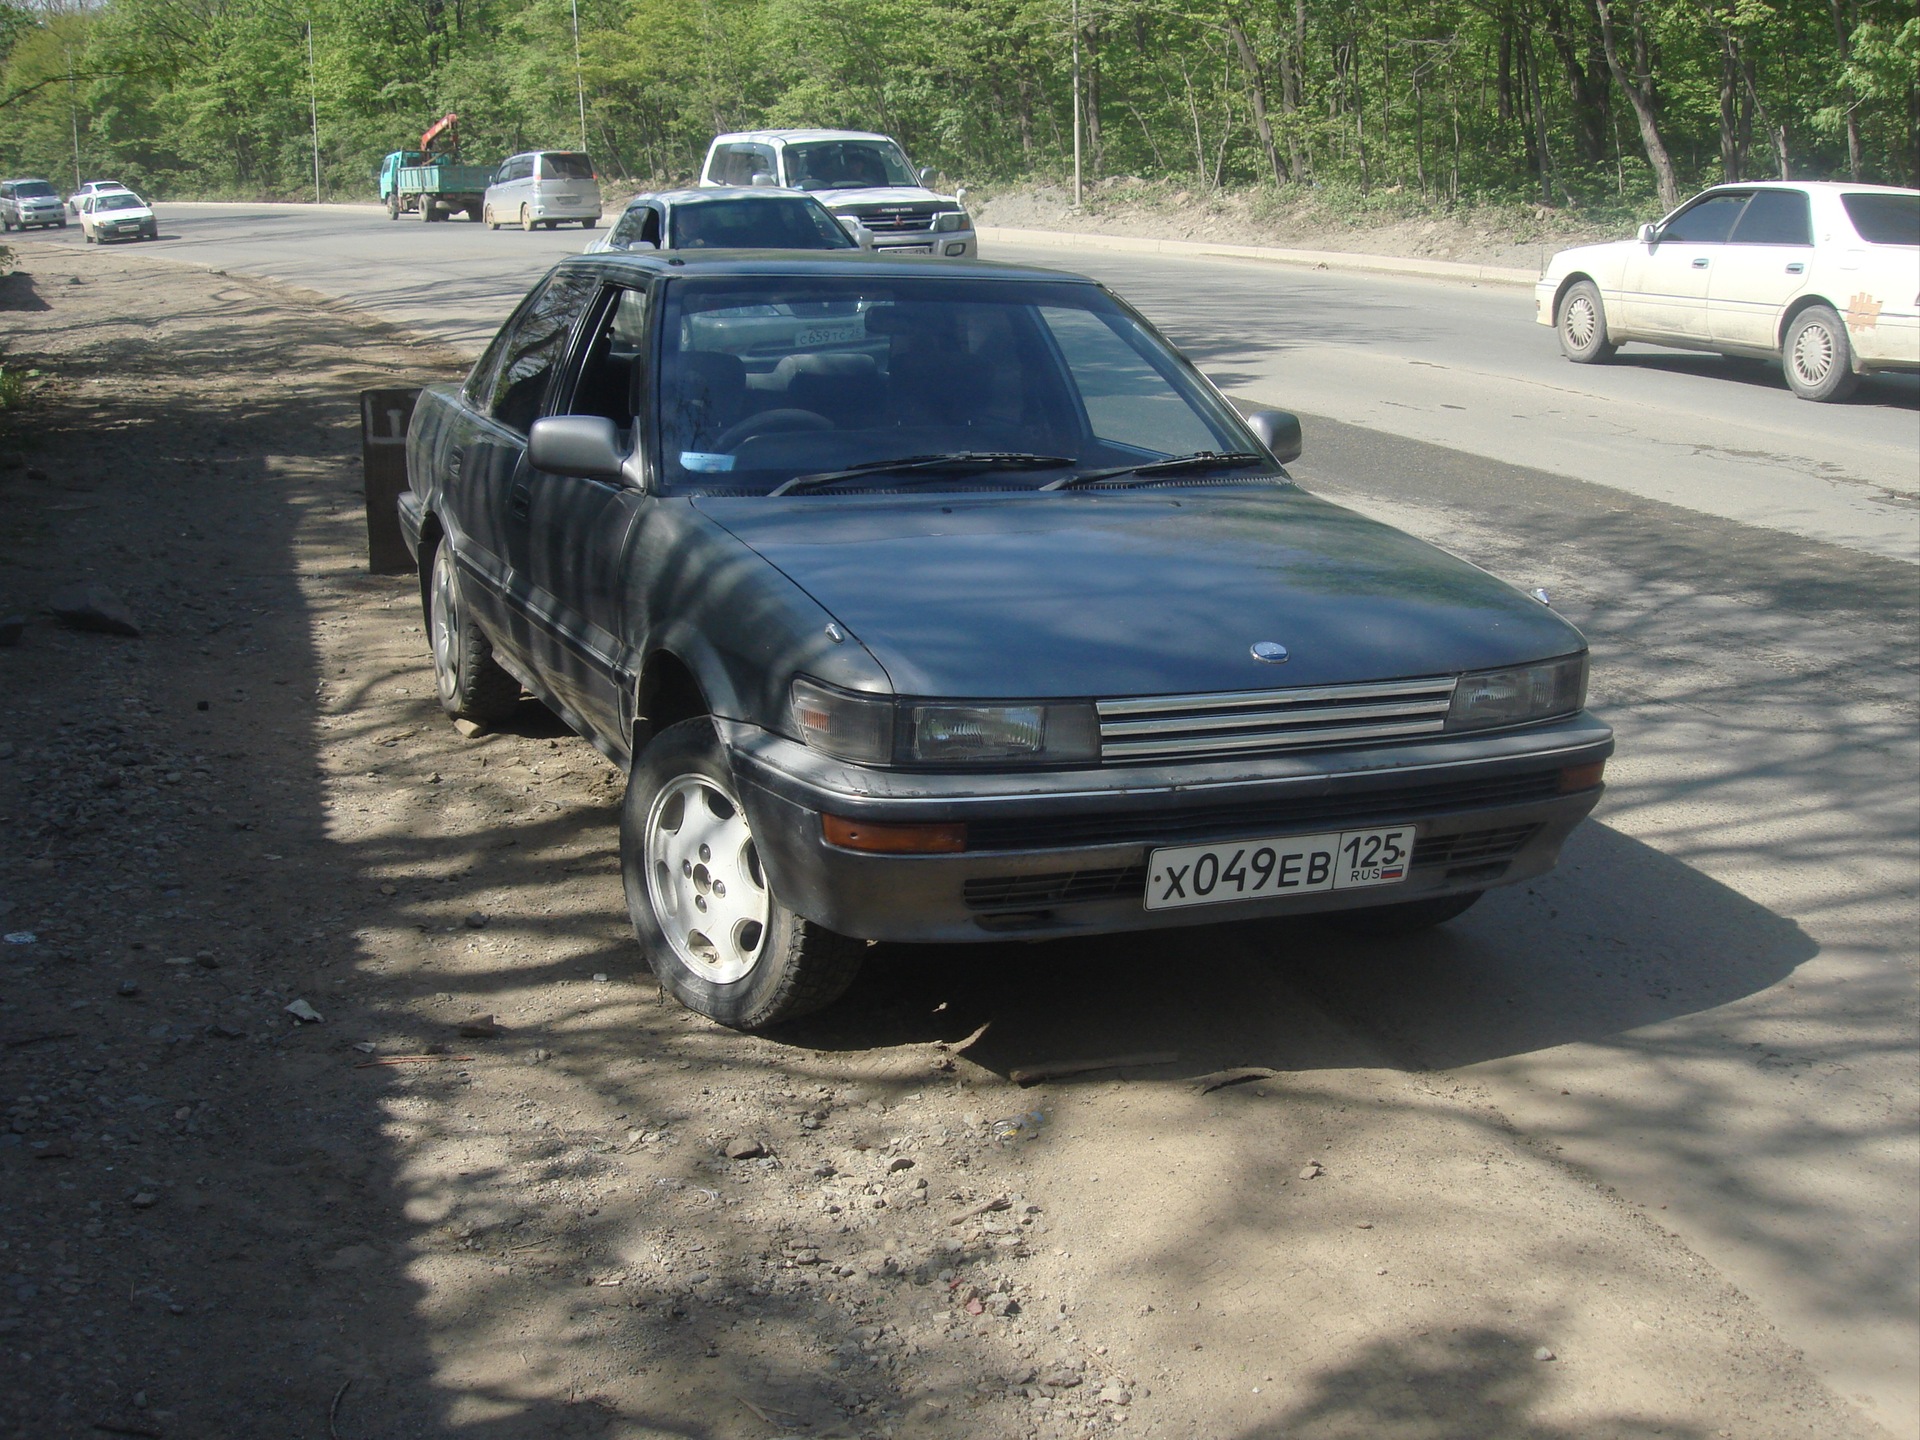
x: 719, y: 940
x: 469, y: 681
x: 1582, y: 325
x: 526, y: 219
x: 1817, y: 360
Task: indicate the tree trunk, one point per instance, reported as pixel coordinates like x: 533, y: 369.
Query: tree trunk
x: 1842, y: 12
x: 1639, y: 90
x: 1257, y: 94
x: 1292, y: 63
x: 1585, y: 65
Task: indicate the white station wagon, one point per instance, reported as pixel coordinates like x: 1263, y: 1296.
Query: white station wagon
x: 1823, y: 277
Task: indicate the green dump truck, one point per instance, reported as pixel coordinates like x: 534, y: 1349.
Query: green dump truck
x: 431, y: 182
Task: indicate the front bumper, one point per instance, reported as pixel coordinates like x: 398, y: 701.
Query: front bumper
x: 948, y: 245
x: 1065, y: 852
x: 1544, y: 292
x: 48, y: 218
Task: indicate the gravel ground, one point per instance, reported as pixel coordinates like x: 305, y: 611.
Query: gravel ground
x: 339, y: 1103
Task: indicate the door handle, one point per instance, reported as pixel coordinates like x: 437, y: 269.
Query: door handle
x: 519, y: 502
x: 1796, y: 268
x: 1700, y: 264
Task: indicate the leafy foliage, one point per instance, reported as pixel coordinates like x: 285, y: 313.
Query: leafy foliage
x: 1564, y: 102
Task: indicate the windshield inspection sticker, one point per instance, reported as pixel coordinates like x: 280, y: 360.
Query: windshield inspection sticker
x: 701, y: 462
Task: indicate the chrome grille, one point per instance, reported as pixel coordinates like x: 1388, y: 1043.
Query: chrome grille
x: 895, y: 224
x: 1167, y: 727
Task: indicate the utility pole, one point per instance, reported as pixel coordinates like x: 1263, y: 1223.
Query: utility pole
x: 73, y: 117
x: 1076, y: 104
x: 313, y: 99
x: 579, y: 79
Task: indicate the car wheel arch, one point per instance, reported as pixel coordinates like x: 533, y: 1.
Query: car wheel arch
x: 432, y: 532
x: 666, y: 693
x: 1799, y: 305
x: 1571, y: 279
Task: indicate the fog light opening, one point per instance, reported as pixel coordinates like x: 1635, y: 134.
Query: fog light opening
x: 1582, y: 777
x: 892, y: 839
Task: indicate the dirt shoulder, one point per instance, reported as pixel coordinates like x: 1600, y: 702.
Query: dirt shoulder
x: 599, y: 1215
x: 1513, y: 236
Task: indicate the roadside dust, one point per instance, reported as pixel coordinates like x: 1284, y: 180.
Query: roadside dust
x: 1523, y: 237
x: 601, y: 1216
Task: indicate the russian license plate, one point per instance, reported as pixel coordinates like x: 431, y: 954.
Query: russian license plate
x: 1289, y: 865
x: 908, y: 249
x: 829, y: 335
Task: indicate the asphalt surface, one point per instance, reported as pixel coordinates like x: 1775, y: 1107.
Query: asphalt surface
x: 1710, y: 1007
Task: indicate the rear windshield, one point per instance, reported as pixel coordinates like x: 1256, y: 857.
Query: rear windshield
x: 768, y: 224
x: 117, y: 201
x: 565, y: 167
x: 34, y: 190
x: 1884, y: 219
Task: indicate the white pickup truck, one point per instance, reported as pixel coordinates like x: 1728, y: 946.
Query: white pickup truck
x: 1823, y: 277
x: 860, y: 177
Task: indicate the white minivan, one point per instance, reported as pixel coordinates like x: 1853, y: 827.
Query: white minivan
x: 543, y: 187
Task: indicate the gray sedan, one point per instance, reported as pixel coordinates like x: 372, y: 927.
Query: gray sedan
x: 928, y: 600
x: 728, y: 218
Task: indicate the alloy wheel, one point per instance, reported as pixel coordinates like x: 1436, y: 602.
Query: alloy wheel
x: 704, y: 879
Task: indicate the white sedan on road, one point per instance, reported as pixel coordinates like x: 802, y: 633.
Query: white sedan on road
x: 1823, y: 277
x: 116, y: 215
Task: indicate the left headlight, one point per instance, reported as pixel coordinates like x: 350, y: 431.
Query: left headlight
x: 953, y: 220
x: 872, y: 730
x: 1515, y: 696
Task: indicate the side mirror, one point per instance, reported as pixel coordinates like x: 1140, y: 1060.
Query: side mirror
x: 584, y: 446
x: 926, y: 175
x: 960, y: 196
x: 1648, y: 234
x: 762, y: 179
x: 863, y: 236
x: 1279, y: 431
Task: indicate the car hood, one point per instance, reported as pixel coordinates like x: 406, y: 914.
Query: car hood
x: 1589, y: 257
x: 879, y: 195
x: 1017, y: 596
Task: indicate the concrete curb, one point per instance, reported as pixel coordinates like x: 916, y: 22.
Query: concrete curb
x: 1309, y: 259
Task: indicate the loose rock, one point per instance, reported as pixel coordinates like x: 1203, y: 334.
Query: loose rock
x: 94, y: 607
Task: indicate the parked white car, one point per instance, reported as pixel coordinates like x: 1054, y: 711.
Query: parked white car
x: 860, y: 177
x: 543, y: 187
x: 1821, y: 276
x: 116, y: 215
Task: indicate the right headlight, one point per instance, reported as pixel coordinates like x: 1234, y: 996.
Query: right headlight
x: 952, y: 220
x: 880, y: 730
x: 1491, y: 698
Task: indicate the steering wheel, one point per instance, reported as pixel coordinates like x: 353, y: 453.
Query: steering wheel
x: 769, y: 422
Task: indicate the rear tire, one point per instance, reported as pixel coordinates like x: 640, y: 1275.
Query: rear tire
x: 719, y: 940
x: 1817, y: 359
x: 470, y: 682
x: 1582, y: 325
x: 1406, y: 917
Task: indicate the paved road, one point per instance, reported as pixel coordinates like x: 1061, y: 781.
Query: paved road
x: 1711, y: 1007
x: 1454, y: 365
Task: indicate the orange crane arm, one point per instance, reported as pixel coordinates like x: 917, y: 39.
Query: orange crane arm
x: 443, y: 125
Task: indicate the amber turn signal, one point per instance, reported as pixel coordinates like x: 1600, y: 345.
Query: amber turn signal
x: 941, y: 839
x: 1581, y: 777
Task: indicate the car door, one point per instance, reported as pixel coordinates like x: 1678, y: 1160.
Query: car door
x: 579, y: 530
x: 1664, y: 290
x: 488, y: 470
x: 1762, y: 266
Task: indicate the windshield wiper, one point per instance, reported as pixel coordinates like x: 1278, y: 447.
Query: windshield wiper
x: 955, y: 459
x: 1199, y: 460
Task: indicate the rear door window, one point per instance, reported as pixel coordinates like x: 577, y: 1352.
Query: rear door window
x: 535, y: 342
x: 1775, y: 217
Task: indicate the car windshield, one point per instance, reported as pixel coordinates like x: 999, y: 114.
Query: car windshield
x: 117, y: 201
x: 758, y: 224
x: 847, y: 165
x: 35, y: 190
x: 565, y: 167
x: 1003, y: 384
x: 1884, y: 219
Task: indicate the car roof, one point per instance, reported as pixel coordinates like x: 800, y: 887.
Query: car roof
x: 801, y: 264
x: 706, y: 195
x: 1830, y: 187
x: 790, y: 136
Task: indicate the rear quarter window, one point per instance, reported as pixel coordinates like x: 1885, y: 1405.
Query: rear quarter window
x: 1884, y: 219
x: 565, y: 167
